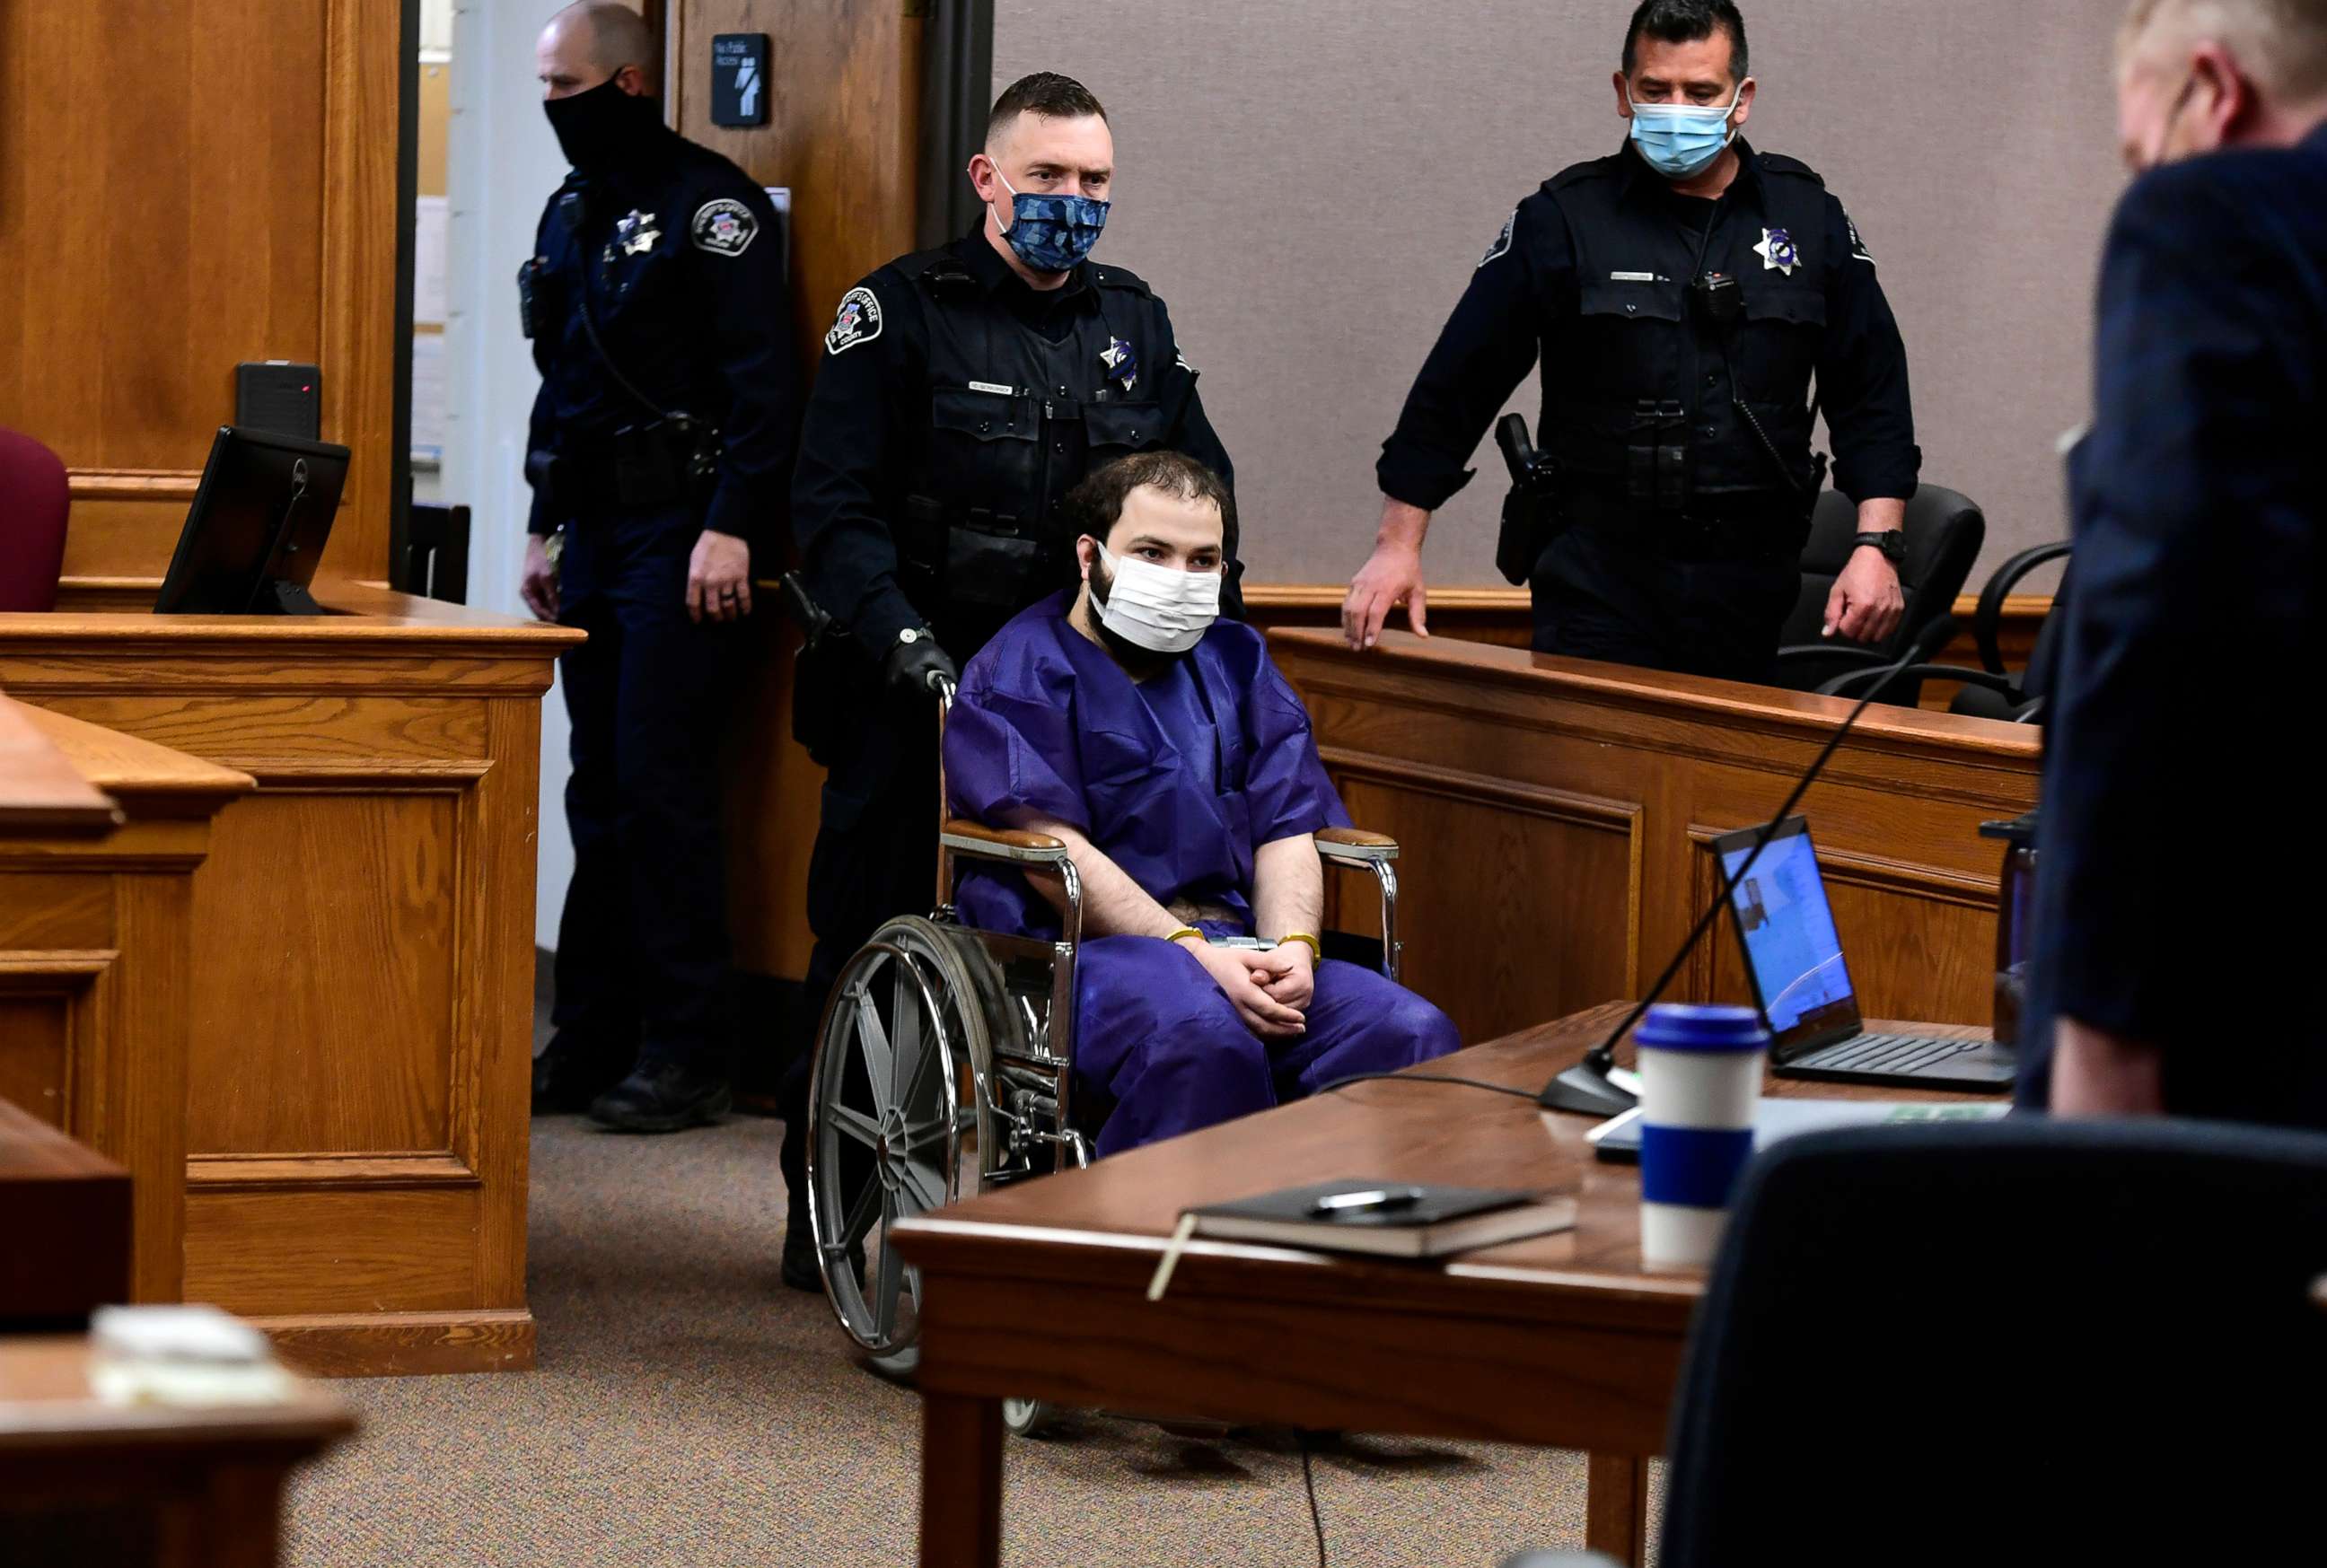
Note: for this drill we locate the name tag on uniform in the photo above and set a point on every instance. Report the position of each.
(1632, 277)
(990, 387)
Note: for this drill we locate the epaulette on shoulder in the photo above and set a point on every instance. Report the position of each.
(1590, 169)
(1779, 163)
(939, 269)
(1122, 278)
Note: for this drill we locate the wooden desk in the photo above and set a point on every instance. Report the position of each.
(85, 1481)
(96, 933)
(360, 983)
(64, 1251)
(1039, 1289)
(1552, 814)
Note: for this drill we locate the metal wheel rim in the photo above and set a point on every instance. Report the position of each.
(899, 1186)
(1025, 1417)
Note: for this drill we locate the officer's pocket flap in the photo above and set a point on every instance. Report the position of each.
(985, 415)
(991, 569)
(1801, 307)
(1644, 302)
(1134, 426)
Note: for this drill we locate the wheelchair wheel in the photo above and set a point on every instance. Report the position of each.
(1029, 1417)
(898, 1106)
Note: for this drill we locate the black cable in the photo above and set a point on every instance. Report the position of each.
(1603, 1055)
(1399, 1076)
(1309, 1480)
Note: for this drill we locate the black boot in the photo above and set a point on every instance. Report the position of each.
(663, 1096)
(575, 1070)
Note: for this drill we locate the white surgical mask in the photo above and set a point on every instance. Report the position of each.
(1160, 609)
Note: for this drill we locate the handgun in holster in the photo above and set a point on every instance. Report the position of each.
(1533, 511)
(816, 697)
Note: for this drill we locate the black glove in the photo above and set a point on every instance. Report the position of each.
(916, 663)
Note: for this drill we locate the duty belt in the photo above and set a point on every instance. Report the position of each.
(1747, 526)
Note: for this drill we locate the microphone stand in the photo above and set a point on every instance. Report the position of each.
(1586, 1088)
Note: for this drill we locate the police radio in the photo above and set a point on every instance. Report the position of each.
(1531, 510)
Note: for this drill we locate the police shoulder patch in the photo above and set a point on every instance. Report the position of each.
(723, 226)
(859, 321)
(1857, 246)
(1503, 240)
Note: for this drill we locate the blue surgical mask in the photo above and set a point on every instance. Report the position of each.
(1051, 233)
(1680, 141)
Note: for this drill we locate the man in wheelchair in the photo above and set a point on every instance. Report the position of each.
(1161, 746)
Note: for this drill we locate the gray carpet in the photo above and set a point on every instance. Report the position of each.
(689, 1411)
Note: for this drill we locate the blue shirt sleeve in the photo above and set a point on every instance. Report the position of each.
(1009, 754)
(1286, 786)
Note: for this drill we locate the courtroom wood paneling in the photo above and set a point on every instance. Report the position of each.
(35, 1045)
(843, 135)
(263, 1257)
(95, 940)
(1511, 904)
(1500, 616)
(361, 1012)
(253, 148)
(362, 1042)
(1554, 874)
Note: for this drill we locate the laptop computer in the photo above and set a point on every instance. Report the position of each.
(1793, 955)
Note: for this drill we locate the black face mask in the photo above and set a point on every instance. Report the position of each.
(597, 126)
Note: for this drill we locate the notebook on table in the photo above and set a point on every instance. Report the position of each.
(1387, 1218)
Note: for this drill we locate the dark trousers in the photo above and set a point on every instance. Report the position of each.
(642, 951)
(876, 847)
(1643, 597)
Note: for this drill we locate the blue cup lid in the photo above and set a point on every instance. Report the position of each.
(1693, 1026)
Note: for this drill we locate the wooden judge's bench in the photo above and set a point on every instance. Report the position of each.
(336, 987)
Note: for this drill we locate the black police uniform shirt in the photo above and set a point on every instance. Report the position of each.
(1592, 275)
(954, 410)
(678, 255)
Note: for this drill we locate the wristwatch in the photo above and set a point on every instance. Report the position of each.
(1891, 542)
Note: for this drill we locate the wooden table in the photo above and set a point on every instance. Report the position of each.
(83, 1480)
(1039, 1289)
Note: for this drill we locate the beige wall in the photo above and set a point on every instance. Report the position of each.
(1309, 183)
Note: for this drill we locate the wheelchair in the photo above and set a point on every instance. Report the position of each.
(943, 1068)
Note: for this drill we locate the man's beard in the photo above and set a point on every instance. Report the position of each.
(1140, 663)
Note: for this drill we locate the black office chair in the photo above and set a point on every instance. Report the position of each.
(1992, 691)
(1945, 530)
(2017, 1341)
(428, 554)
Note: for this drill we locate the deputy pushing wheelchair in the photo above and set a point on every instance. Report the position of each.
(943, 1067)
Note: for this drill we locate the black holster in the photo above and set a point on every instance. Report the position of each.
(1534, 515)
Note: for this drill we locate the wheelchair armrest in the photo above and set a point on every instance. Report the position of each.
(1355, 846)
(982, 843)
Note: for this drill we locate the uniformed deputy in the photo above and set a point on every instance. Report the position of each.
(660, 443)
(1682, 293)
(964, 392)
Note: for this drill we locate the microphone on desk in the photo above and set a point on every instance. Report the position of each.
(1587, 1088)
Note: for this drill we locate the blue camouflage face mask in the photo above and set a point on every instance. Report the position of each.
(1680, 141)
(1053, 233)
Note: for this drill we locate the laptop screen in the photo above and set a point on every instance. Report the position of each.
(1789, 935)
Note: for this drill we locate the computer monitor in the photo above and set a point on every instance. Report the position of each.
(256, 528)
(1793, 953)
